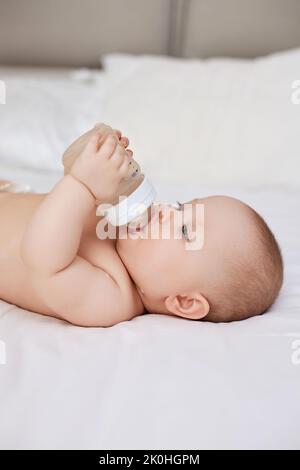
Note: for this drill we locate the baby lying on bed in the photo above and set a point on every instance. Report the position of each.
(52, 262)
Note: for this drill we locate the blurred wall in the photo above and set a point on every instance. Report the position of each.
(77, 32)
(240, 28)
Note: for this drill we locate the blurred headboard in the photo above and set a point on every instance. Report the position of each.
(77, 32)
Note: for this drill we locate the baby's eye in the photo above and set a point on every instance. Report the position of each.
(178, 205)
(184, 231)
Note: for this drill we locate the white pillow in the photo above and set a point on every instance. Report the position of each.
(44, 114)
(220, 121)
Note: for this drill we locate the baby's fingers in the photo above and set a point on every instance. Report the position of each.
(108, 147)
(119, 156)
(118, 133)
(124, 141)
(92, 145)
(123, 169)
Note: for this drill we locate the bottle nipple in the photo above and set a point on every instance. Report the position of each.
(135, 197)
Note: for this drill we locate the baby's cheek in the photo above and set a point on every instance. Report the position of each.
(155, 259)
(165, 254)
(156, 264)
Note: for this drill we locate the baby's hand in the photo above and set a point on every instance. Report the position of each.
(102, 165)
(76, 148)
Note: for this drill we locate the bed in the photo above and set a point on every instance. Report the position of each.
(159, 382)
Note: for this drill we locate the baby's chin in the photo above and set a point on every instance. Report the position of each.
(119, 243)
(127, 248)
(123, 246)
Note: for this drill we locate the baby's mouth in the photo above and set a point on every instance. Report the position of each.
(140, 223)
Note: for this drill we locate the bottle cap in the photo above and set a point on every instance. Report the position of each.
(133, 205)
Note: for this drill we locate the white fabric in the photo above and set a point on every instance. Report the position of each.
(218, 121)
(228, 120)
(160, 382)
(44, 114)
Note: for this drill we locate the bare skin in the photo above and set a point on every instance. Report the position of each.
(51, 261)
(66, 273)
(18, 284)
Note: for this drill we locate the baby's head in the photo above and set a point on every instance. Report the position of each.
(235, 274)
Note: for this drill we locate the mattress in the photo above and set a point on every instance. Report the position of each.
(158, 382)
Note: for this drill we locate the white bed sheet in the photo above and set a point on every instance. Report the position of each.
(158, 382)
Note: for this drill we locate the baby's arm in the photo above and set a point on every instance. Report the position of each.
(72, 287)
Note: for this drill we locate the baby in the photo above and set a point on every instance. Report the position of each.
(52, 262)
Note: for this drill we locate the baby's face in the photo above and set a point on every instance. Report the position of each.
(164, 256)
(185, 249)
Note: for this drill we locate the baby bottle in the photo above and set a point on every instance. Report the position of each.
(135, 197)
(136, 193)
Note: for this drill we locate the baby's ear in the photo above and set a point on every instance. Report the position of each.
(192, 306)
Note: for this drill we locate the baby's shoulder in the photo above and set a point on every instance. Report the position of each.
(103, 254)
